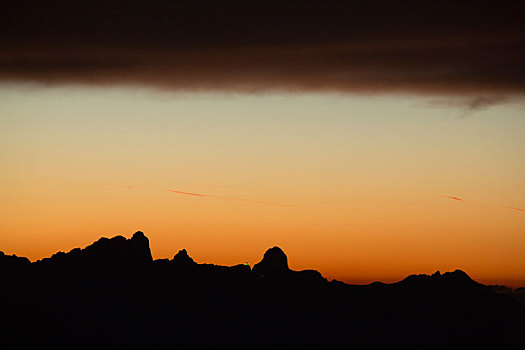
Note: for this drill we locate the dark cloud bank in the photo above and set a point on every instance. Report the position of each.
(473, 48)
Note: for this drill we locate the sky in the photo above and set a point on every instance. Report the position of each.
(352, 186)
(368, 139)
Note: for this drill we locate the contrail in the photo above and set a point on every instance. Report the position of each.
(516, 208)
(189, 193)
(233, 199)
(454, 198)
(463, 200)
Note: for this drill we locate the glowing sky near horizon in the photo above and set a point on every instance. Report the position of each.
(359, 181)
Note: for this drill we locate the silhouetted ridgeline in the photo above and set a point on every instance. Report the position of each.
(113, 295)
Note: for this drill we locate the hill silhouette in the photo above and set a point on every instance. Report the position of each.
(112, 294)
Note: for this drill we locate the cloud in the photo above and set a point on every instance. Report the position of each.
(514, 208)
(468, 104)
(448, 47)
(463, 200)
(233, 198)
(454, 198)
(189, 193)
(484, 102)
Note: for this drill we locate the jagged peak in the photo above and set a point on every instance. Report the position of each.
(456, 277)
(115, 250)
(104, 240)
(182, 257)
(4, 258)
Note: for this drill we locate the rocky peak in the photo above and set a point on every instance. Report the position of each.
(13, 260)
(139, 235)
(274, 261)
(182, 258)
(139, 245)
(108, 251)
(458, 278)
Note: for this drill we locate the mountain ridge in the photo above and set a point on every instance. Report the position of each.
(113, 294)
(135, 250)
(119, 250)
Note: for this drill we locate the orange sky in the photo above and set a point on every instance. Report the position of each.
(354, 187)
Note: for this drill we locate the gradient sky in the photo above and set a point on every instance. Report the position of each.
(350, 185)
(368, 139)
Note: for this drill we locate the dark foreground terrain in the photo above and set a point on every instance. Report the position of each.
(113, 295)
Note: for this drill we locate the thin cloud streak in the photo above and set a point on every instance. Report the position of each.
(233, 198)
(189, 193)
(519, 209)
(463, 200)
(454, 198)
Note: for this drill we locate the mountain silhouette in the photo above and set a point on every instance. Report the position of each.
(112, 294)
(116, 251)
(273, 262)
(183, 259)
